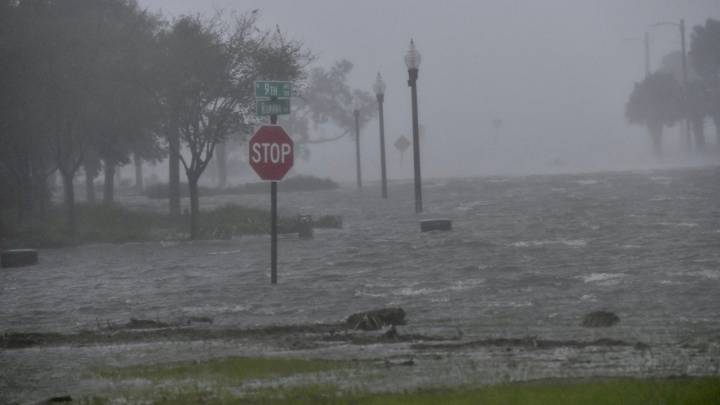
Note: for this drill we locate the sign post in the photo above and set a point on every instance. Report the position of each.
(272, 150)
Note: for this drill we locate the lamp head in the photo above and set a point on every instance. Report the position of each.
(412, 58)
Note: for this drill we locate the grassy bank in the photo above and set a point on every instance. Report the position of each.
(291, 184)
(116, 224)
(219, 382)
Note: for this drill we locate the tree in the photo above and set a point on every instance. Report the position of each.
(699, 101)
(695, 107)
(126, 114)
(705, 59)
(326, 104)
(211, 94)
(655, 102)
(24, 152)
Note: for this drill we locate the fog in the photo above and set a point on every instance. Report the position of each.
(186, 279)
(557, 73)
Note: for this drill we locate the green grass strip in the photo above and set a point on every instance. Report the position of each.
(685, 391)
(234, 369)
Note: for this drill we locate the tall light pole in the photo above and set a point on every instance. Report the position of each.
(681, 27)
(412, 60)
(356, 114)
(379, 88)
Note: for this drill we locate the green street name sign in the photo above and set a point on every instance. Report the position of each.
(272, 89)
(272, 107)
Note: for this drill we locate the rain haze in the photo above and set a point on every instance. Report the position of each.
(187, 215)
(557, 74)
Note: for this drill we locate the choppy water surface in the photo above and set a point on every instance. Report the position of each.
(527, 256)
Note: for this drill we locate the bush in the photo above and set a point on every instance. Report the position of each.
(297, 183)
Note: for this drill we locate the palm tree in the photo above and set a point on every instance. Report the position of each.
(656, 102)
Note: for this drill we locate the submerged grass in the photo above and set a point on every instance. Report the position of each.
(211, 382)
(116, 224)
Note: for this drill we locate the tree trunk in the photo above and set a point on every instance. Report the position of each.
(656, 131)
(222, 165)
(174, 173)
(194, 206)
(109, 186)
(138, 174)
(698, 129)
(89, 184)
(69, 199)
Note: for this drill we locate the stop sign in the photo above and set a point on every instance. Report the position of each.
(271, 152)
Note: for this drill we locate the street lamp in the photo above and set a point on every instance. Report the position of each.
(681, 27)
(412, 60)
(379, 88)
(356, 114)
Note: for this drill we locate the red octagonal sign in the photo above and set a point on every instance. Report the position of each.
(271, 152)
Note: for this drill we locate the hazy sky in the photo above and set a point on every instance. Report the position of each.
(557, 72)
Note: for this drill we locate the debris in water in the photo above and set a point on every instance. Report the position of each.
(329, 221)
(375, 320)
(435, 225)
(18, 258)
(600, 319)
(145, 324)
(59, 399)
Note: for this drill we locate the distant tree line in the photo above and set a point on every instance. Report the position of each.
(91, 85)
(662, 100)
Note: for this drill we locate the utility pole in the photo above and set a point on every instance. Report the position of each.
(647, 54)
(379, 88)
(681, 27)
(685, 84)
(356, 113)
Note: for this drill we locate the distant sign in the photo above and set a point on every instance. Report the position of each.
(272, 107)
(402, 144)
(271, 152)
(272, 89)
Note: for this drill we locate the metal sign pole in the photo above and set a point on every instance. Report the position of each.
(273, 223)
(273, 232)
(271, 150)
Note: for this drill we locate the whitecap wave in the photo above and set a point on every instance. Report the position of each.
(603, 278)
(566, 242)
(679, 224)
(225, 252)
(709, 274)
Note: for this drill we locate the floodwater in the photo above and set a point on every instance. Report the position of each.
(527, 256)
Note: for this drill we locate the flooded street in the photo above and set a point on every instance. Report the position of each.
(527, 257)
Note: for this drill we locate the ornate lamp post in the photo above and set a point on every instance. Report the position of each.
(379, 88)
(412, 60)
(356, 114)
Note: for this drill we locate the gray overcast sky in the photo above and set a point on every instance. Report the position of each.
(557, 72)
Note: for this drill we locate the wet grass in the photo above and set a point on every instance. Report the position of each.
(230, 369)
(686, 391)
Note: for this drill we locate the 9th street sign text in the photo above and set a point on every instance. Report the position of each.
(272, 89)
